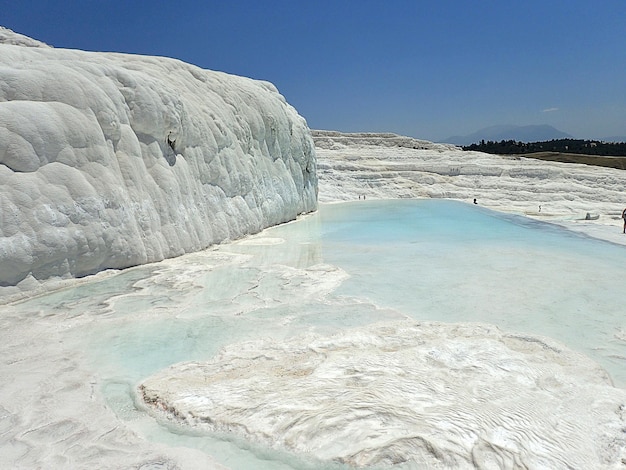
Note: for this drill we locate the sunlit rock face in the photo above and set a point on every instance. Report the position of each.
(431, 394)
(112, 160)
(392, 166)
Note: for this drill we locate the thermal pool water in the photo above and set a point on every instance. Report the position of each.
(357, 292)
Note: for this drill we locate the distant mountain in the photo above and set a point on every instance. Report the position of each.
(534, 133)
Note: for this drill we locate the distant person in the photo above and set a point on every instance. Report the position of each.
(475, 202)
(624, 217)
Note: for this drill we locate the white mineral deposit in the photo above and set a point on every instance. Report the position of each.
(144, 324)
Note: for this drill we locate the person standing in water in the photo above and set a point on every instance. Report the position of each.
(624, 217)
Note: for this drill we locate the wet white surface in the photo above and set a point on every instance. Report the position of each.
(74, 358)
(433, 394)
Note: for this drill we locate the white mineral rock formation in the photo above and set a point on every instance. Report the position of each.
(382, 166)
(431, 395)
(436, 395)
(112, 160)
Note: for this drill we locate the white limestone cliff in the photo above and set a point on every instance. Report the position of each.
(112, 160)
(383, 166)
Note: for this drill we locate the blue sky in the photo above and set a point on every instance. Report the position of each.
(429, 69)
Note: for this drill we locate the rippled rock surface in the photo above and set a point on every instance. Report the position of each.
(433, 394)
(114, 160)
(387, 166)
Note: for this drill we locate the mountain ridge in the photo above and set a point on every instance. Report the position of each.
(529, 133)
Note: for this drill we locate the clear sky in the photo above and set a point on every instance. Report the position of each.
(424, 68)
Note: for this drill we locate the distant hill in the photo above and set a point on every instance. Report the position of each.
(589, 152)
(533, 133)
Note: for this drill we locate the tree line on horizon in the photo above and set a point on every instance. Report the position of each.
(577, 146)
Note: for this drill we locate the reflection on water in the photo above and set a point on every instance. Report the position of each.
(347, 265)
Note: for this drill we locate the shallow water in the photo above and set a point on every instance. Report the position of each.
(448, 261)
(346, 266)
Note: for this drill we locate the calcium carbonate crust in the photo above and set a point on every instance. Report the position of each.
(111, 160)
(428, 395)
(383, 166)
